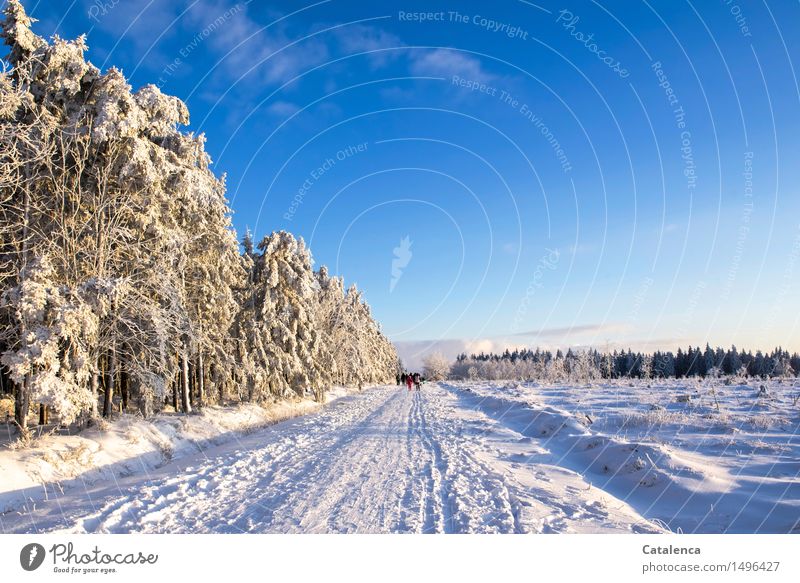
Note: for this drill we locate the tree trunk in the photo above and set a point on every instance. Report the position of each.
(43, 414)
(146, 405)
(123, 386)
(93, 382)
(187, 407)
(26, 403)
(214, 379)
(192, 382)
(200, 380)
(17, 403)
(21, 404)
(23, 391)
(108, 401)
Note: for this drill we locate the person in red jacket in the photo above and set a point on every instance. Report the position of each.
(409, 381)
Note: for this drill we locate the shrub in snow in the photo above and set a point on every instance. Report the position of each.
(436, 367)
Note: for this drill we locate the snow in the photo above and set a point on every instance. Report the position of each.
(478, 457)
(130, 446)
(725, 460)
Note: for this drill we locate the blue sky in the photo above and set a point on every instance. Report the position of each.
(551, 192)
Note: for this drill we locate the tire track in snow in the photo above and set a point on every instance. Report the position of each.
(384, 460)
(438, 515)
(239, 491)
(477, 497)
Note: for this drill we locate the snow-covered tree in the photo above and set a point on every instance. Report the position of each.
(331, 319)
(583, 367)
(281, 334)
(647, 367)
(436, 367)
(50, 360)
(120, 272)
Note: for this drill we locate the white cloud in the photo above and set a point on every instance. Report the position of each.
(359, 38)
(566, 332)
(275, 50)
(412, 352)
(582, 337)
(147, 25)
(243, 44)
(449, 62)
(283, 108)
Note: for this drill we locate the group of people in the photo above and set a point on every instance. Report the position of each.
(410, 379)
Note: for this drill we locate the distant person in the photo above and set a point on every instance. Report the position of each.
(417, 380)
(397, 379)
(409, 381)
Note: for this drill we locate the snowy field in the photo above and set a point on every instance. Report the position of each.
(464, 457)
(687, 456)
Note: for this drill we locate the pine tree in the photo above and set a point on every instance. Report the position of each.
(285, 336)
(120, 272)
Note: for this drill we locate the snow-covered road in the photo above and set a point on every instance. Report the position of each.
(384, 460)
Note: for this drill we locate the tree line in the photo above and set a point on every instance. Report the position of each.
(123, 284)
(523, 364)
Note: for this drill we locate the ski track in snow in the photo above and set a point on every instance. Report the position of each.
(385, 460)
